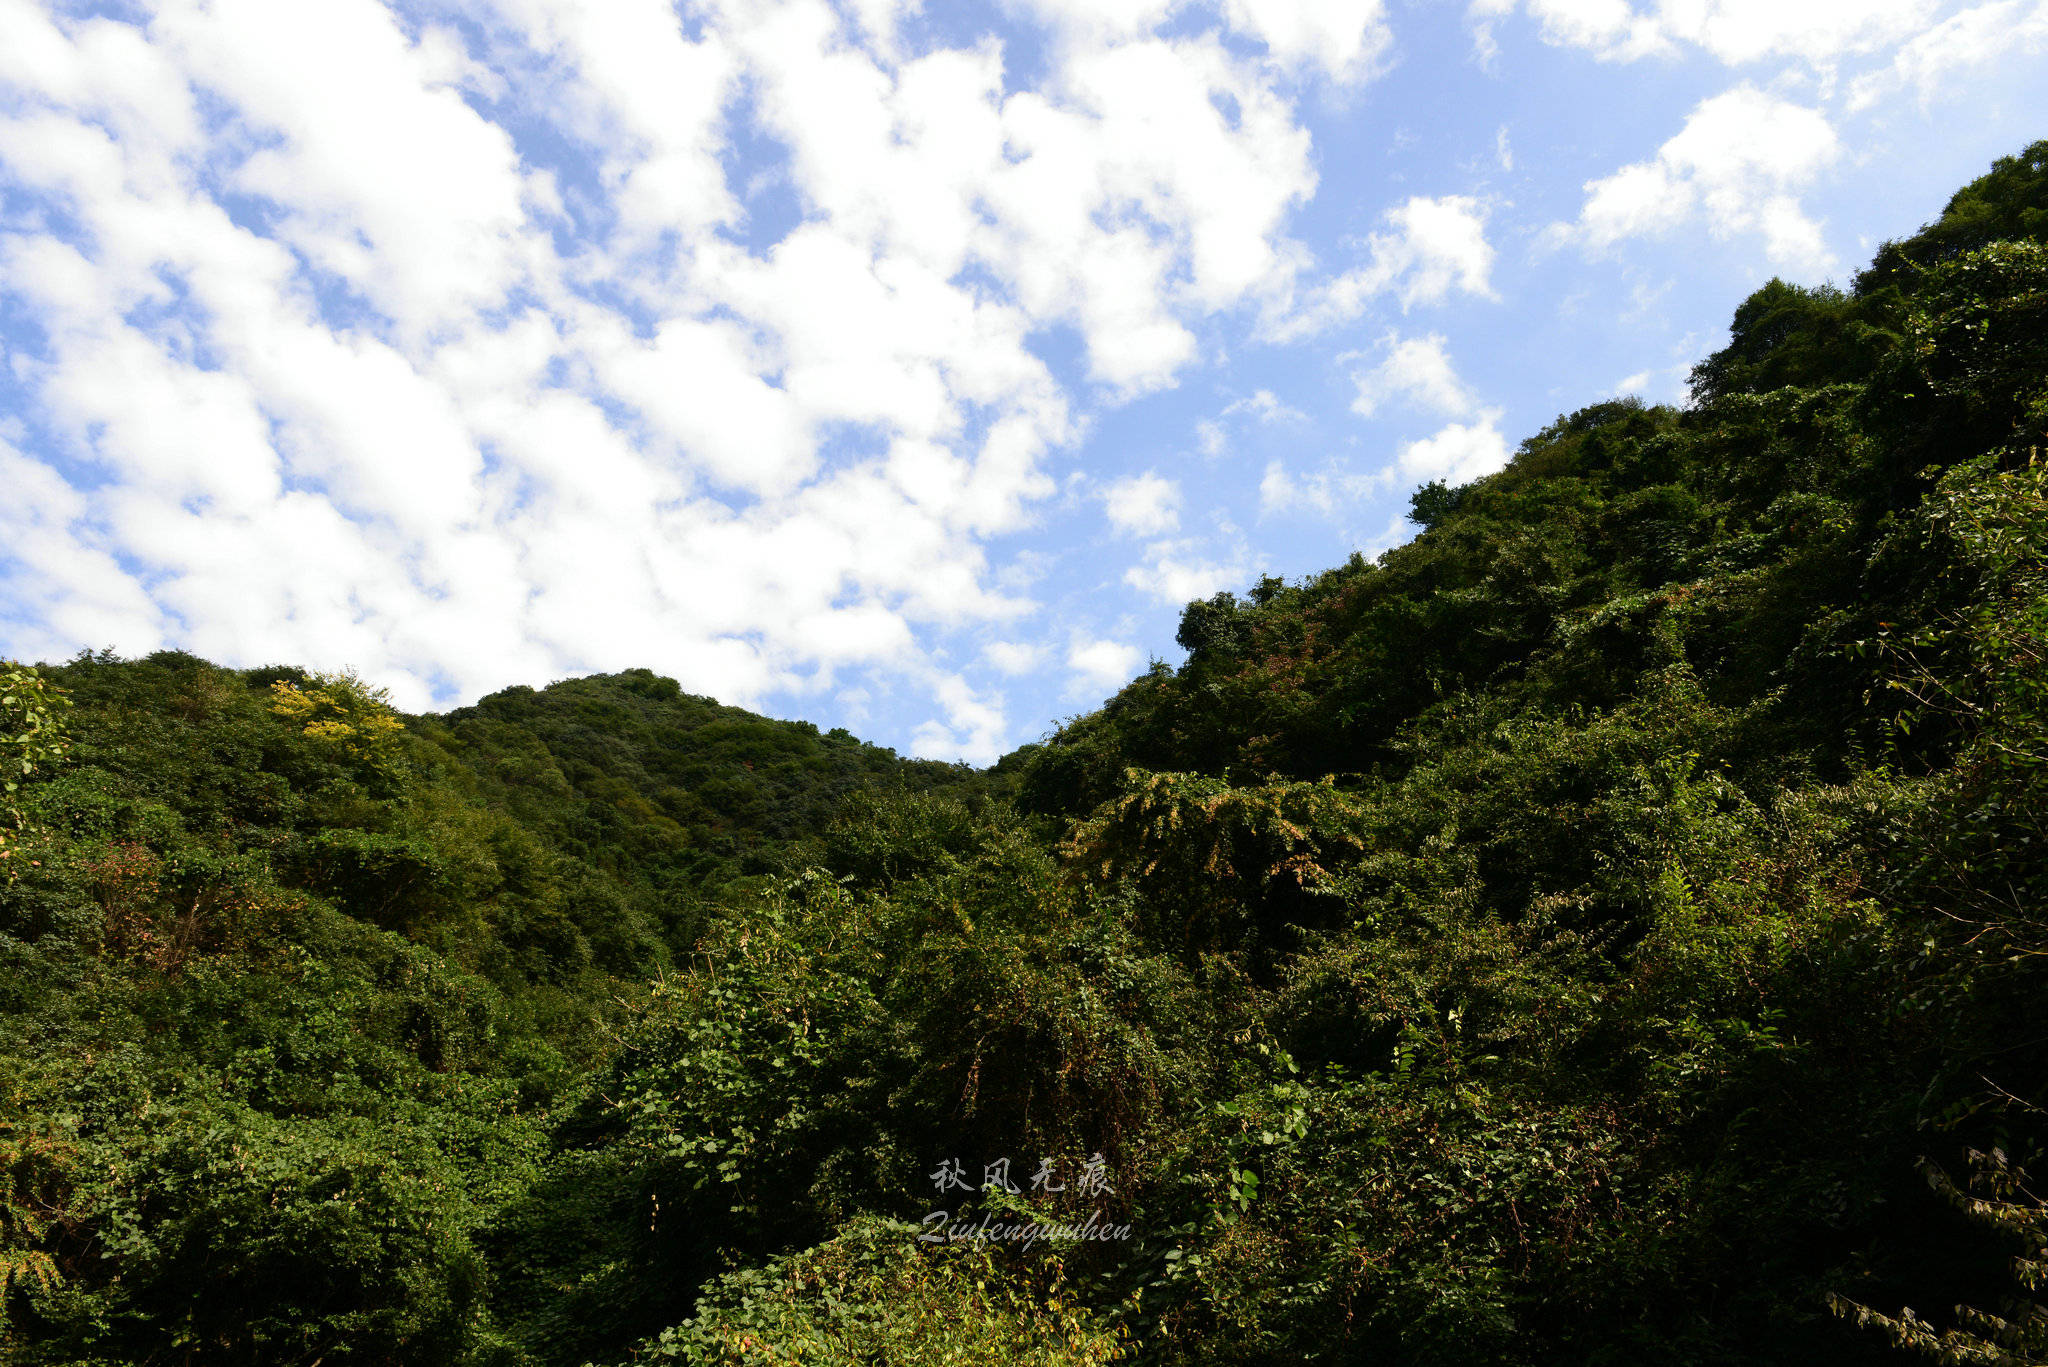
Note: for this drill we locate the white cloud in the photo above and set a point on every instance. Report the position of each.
(1417, 371)
(379, 171)
(1739, 162)
(1733, 31)
(1143, 505)
(1932, 62)
(1212, 435)
(647, 99)
(1101, 666)
(1398, 531)
(358, 377)
(1345, 39)
(1659, 384)
(1610, 27)
(1263, 406)
(1819, 31)
(1457, 454)
(58, 574)
(1175, 572)
(1281, 491)
(1102, 21)
(1014, 657)
(1348, 39)
(974, 729)
(1432, 248)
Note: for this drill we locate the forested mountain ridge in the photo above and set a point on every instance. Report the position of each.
(271, 947)
(1605, 928)
(1763, 532)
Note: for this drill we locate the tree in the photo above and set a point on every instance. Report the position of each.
(343, 713)
(31, 738)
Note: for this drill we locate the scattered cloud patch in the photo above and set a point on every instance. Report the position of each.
(1933, 63)
(1014, 657)
(974, 730)
(1731, 31)
(1660, 384)
(1262, 406)
(1177, 572)
(1738, 163)
(1212, 435)
(1431, 249)
(1399, 531)
(1456, 454)
(1416, 371)
(1099, 667)
(1347, 40)
(1143, 505)
(1324, 492)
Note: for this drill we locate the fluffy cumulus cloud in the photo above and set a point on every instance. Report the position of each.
(1427, 250)
(1415, 375)
(1282, 490)
(1346, 38)
(1739, 163)
(1014, 657)
(1456, 454)
(1143, 505)
(1414, 370)
(1174, 572)
(1098, 667)
(974, 728)
(458, 342)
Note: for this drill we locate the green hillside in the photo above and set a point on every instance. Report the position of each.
(1606, 929)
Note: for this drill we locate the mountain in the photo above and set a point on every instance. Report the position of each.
(1603, 929)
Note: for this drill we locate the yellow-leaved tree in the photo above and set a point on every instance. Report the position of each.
(343, 713)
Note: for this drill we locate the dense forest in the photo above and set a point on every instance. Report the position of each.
(1606, 929)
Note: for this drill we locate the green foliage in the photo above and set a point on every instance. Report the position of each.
(873, 1298)
(1589, 934)
(1640, 854)
(1219, 865)
(292, 1003)
(1787, 335)
(2008, 205)
(1432, 503)
(31, 737)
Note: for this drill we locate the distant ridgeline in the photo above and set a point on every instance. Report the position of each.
(1607, 929)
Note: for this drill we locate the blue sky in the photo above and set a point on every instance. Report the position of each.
(895, 367)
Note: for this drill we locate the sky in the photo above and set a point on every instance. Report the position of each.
(898, 367)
